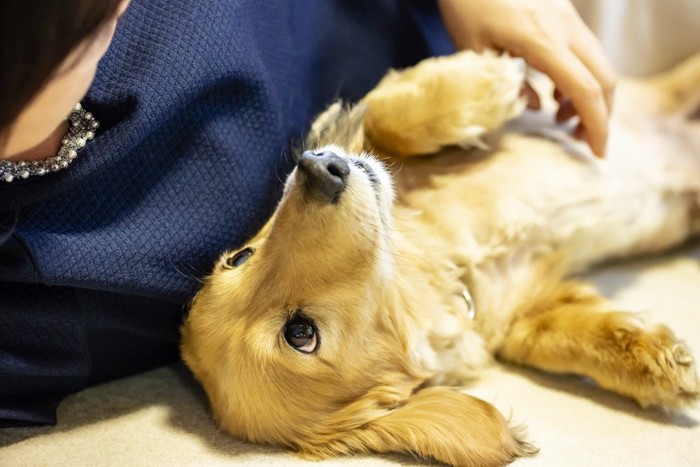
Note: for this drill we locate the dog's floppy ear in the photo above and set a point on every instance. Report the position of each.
(436, 423)
(339, 125)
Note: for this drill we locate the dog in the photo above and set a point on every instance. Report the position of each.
(434, 226)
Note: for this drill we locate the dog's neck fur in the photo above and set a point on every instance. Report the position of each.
(446, 342)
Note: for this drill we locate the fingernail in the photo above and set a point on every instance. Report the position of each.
(599, 151)
(602, 152)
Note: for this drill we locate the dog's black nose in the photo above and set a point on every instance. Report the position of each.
(324, 173)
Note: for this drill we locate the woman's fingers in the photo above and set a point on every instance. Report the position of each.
(552, 37)
(578, 83)
(586, 46)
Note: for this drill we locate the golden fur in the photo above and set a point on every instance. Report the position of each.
(382, 273)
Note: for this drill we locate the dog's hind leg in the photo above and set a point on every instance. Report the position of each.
(443, 101)
(573, 330)
(679, 88)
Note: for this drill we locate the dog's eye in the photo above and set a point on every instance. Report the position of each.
(239, 258)
(301, 334)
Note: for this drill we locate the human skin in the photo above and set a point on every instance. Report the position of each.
(38, 130)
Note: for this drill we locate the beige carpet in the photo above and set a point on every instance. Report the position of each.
(161, 418)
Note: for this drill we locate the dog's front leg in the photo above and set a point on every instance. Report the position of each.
(573, 330)
(443, 101)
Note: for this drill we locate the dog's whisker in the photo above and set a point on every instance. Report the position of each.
(388, 246)
(298, 154)
(188, 276)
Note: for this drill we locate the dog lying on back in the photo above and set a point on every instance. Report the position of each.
(384, 280)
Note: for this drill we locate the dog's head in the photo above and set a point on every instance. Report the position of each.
(302, 337)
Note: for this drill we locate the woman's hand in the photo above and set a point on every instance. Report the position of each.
(551, 37)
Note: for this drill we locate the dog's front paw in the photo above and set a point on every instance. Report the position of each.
(443, 101)
(571, 332)
(659, 369)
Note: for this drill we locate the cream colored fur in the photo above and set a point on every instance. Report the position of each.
(382, 272)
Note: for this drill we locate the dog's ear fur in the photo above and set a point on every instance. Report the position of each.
(340, 125)
(435, 423)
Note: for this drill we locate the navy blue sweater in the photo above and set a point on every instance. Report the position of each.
(199, 102)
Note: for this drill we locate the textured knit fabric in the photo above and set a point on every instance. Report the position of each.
(199, 102)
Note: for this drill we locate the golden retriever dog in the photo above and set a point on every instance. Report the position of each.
(428, 229)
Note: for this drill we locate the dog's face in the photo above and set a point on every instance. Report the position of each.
(289, 329)
(303, 338)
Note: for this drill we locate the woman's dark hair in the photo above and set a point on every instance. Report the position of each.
(36, 36)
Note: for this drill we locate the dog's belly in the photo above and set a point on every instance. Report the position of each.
(532, 193)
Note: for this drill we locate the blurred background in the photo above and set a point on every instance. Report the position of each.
(642, 37)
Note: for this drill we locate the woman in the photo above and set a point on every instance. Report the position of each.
(197, 102)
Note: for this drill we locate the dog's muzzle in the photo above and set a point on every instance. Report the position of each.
(325, 174)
